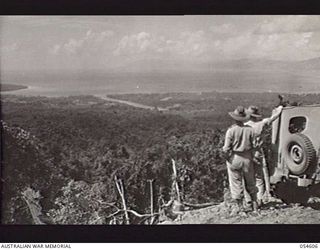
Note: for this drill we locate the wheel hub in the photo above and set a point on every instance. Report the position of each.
(296, 154)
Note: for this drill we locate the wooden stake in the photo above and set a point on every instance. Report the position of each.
(151, 201)
(124, 203)
(175, 176)
(265, 173)
(120, 188)
(151, 196)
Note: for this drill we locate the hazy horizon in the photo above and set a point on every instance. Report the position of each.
(163, 82)
(162, 53)
(108, 42)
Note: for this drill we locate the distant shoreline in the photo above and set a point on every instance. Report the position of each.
(12, 87)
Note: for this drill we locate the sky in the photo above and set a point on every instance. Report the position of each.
(116, 42)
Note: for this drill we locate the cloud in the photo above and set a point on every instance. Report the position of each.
(314, 42)
(288, 24)
(55, 50)
(278, 46)
(87, 44)
(187, 43)
(225, 30)
(136, 43)
(274, 37)
(288, 46)
(73, 46)
(9, 48)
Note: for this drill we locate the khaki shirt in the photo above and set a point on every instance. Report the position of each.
(259, 126)
(239, 139)
(258, 129)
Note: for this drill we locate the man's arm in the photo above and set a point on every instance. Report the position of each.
(274, 116)
(227, 148)
(227, 142)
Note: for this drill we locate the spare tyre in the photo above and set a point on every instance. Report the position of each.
(298, 153)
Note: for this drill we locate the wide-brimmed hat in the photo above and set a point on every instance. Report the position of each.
(239, 114)
(254, 111)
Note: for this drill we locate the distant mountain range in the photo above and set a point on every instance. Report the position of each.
(310, 64)
(143, 65)
(238, 64)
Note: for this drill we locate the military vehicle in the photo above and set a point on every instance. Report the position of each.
(294, 165)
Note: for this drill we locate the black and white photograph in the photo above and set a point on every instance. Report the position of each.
(160, 120)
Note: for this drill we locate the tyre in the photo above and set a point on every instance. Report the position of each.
(299, 154)
(289, 192)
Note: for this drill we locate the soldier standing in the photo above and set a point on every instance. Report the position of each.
(238, 146)
(259, 125)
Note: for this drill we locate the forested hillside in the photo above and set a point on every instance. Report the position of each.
(74, 151)
(70, 149)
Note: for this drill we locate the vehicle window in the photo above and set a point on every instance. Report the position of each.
(297, 124)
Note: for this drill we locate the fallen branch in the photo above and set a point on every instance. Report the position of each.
(109, 204)
(154, 221)
(113, 214)
(32, 199)
(135, 213)
(203, 205)
(141, 215)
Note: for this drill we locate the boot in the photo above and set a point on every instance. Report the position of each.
(242, 209)
(237, 207)
(248, 207)
(259, 203)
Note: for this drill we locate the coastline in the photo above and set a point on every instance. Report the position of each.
(12, 87)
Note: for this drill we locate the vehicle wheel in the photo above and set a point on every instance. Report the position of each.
(289, 192)
(298, 153)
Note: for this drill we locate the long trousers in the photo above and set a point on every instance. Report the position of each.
(260, 183)
(259, 176)
(241, 176)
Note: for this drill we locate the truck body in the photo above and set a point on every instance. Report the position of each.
(295, 149)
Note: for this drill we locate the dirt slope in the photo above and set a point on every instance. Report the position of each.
(274, 212)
